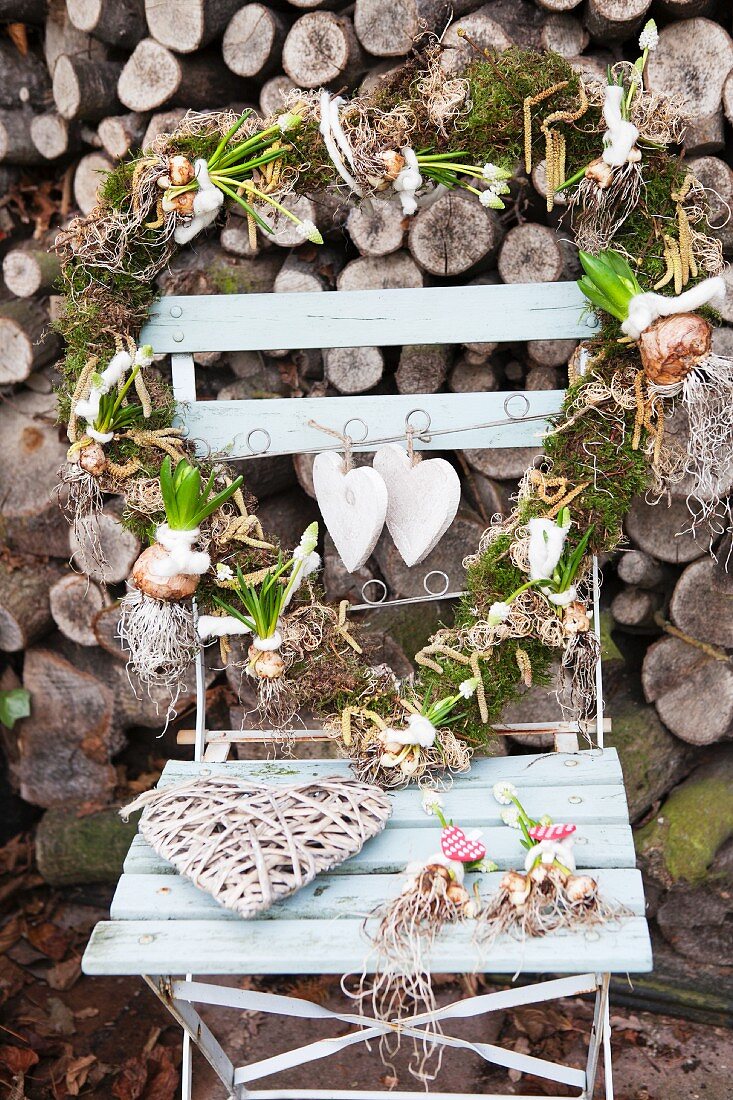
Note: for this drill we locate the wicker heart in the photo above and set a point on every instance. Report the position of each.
(456, 845)
(250, 844)
(353, 506)
(422, 500)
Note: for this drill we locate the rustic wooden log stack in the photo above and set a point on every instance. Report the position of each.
(82, 83)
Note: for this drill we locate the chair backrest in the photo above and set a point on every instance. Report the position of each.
(182, 326)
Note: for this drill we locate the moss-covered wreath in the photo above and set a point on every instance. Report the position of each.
(640, 217)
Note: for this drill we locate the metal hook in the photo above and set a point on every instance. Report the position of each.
(261, 450)
(436, 573)
(374, 603)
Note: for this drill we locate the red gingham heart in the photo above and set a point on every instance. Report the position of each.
(456, 845)
(552, 832)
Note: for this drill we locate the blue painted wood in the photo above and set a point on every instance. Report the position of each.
(328, 947)
(459, 421)
(435, 315)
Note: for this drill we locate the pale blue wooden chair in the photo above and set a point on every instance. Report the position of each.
(165, 929)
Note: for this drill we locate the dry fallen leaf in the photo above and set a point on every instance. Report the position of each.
(63, 975)
(162, 1075)
(77, 1072)
(49, 939)
(18, 35)
(17, 1059)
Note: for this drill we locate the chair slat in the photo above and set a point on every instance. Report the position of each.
(324, 947)
(347, 319)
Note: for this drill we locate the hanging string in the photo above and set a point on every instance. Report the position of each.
(346, 442)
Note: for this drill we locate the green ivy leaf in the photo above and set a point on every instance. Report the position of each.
(14, 704)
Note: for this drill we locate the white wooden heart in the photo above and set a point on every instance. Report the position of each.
(353, 506)
(422, 500)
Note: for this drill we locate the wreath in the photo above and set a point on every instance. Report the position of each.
(610, 152)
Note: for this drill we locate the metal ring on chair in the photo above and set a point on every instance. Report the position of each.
(374, 580)
(356, 420)
(261, 450)
(436, 573)
(516, 397)
(418, 431)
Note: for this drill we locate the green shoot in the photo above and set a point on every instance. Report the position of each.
(186, 503)
(608, 282)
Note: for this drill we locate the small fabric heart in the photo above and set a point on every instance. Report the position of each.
(551, 832)
(459, 847)
(422, 500)
(353, 504)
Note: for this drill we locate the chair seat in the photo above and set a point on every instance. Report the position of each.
(162, 924)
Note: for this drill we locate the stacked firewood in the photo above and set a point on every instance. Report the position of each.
(84, 82)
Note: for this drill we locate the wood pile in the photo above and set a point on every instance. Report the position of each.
(84, 82)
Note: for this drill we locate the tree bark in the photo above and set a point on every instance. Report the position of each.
(30, 270)
(530, 254)
(25, 340)
(90, 172)
(564, 34)
(16, 145)
(423, 368)
(704, 136)
(153, 76)
(85, 89)
(53, 136)
(453, 234)
(24, 80)
(75, 602)
(447, 557)
(74, 849)
(615, 20)
(62, 37)
(322, 48)
(118, 22)
(502, 463)
(23, 11)
(693, 693)
(253, 41)
(188, 25)
(121, 133)
(25, 614)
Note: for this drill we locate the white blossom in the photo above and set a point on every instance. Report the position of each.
(503, 792)
(144, 356)
(649, 37)
(467, 688)
(224, 572)
(546, 542)
(498, 613)
(492, 173)
(490, 199)
(309, 232)
(510, 817)
(431, 801)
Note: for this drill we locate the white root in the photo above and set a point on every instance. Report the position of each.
(160, 638)
(81, 500)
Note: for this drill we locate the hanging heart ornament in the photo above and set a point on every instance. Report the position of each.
(353, 504)
(422, 500)
(457, 846)
(251, 844)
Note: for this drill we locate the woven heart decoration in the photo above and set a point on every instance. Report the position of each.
(250, 844)
(457, 846)
(551, 832)
(353, 504)
(422, 500)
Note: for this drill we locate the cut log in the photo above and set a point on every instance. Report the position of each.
(53, 136)
(153, 76)
(269, 475)
(686, 9)
(481, 29)
(479, 352)
(423, 368)
(388, 28)
(376, 226)
(119, 547)
(25, 340)
(118, 22)
(704, 136)
(728, 97)
(23, 11)
(287, 515)
(62, 37)
(66, 745)
(634, 609)
(75, 602)
(698, 611)
(236, 240)
(285, 232)
(692, 61)
(298, 275)
(16, 144)
(447, 557)
(693, 693)
(530, 254)
(253, 40)
(24, 80)
(353, 370)
(121, 133)
(502, 463)
(637, 568)
(74, 849)
(31, 452)
(163, 122)
(717, 176)
(25, 613)
(380, 273)
(615, 20)
(454, 234)
(564, 34)
(559, 5)
(90, 172)
(188, 25)
(551, 353)
(209, 270)
(30, 270)
(273, 94)
(696, 920)
(656, 529)
(540, 377)
(322, 48)
(469, 377)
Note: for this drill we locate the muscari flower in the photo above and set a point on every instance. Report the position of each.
(649, 37)
(504, 791)
(431, 801)
(498, 613)
(467, 688)
(510, 817)
(224, 572)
